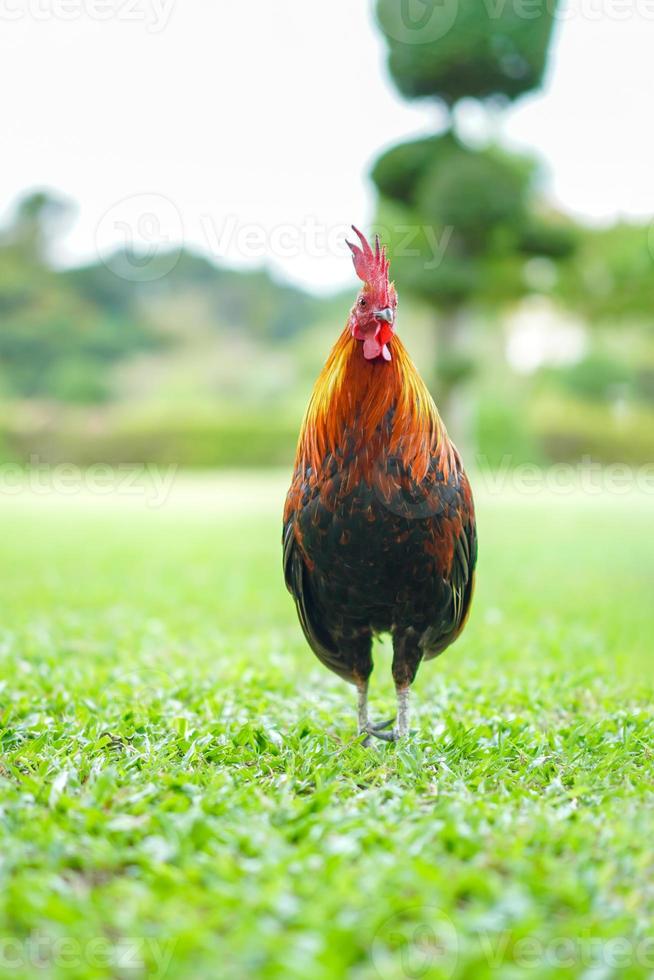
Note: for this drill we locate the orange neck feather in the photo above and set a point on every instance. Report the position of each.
(352, 396)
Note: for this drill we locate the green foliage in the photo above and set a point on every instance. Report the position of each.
(596, 377)
(54, 346)
(196, 440)
(54, 342)
(503, 433)
(453, 49)
(449, 184)
(211, 367)
(569, 429)
(550, 236)
(426, 262)
(39, 217)
(184, 795)
(251, 301)
(398, 172)
(610, 280)
(476, 194)
(65, 332)
(454, 368)
(477, 204)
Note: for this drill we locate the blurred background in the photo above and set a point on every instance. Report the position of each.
(177, 182)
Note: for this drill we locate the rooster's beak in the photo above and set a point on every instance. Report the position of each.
(386, 314)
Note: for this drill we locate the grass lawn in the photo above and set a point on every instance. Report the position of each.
(182, 793)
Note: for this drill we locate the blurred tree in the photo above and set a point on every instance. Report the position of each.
(54, 342)
(464, 221)
(611, 278)
(596, 378)
(453, 49)
(39, 218)
(610, 284)
(65, 332)
(251, 302)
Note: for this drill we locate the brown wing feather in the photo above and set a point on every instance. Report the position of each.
(298, 583)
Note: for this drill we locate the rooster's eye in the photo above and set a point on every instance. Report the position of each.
(363, 303)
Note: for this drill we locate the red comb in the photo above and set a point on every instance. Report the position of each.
(369, 266)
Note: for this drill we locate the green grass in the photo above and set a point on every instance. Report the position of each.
(182, 793)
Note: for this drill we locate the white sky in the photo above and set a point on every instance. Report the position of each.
(235, 125)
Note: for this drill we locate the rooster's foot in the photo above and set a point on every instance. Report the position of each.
(393, 736)
(378, 730)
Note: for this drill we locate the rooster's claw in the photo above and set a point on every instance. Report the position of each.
(377, 731)
(381, 725)
(394, 736)
(391, 736)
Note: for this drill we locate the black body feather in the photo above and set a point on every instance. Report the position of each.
(388, 554)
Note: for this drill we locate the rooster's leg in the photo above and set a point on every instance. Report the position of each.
(407, 655)
(402, 711)
(362, 706)
(365, 725)
(402, 727)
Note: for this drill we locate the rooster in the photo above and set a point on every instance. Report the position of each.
(379, 526)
